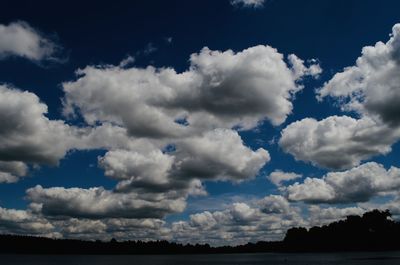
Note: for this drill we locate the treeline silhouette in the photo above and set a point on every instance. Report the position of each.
(373, 231)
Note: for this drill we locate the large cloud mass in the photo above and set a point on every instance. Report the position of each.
(220, 90)
(180, 126)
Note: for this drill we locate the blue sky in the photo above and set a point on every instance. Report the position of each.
(354, 141)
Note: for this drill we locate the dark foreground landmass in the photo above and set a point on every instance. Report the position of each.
(374, 231)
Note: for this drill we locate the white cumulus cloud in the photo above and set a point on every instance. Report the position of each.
(20, 39)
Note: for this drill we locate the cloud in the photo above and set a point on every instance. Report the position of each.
(220, 90)
(392, 204)
(322, 216)
(278, 176)
(358, 184)
(26, 133)
(10, 172)
(300, 70)
(192, 112)
(20, 39)
(28, 137)
(248, 3)
(274, 204)
(24, 222)
(127, 61)
(30, 222)
(145, 173)
(243, 222)
(150, 48)
(263, 219)
(164, 133)
(220, 155)
(98, 203)
(371, 87)
(216, 155)
(152, 167)
(337, 142)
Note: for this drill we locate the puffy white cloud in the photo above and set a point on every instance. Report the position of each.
(243, 213)
(26, 134)
(95, 203)
(215, 155)
(220, 155)
(219, 90)
(300, 70)
(203, 220)
(358, 184)
(337, 142)
(248, 3)
(133, 114)
(20, 39)
(372, 86)
(193, 111)
(278, 176)
(312, 190)
(274, 204)
(152, 167)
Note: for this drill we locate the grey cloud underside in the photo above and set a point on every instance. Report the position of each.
(97, 203)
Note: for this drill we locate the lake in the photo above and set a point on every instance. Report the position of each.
(384, 258)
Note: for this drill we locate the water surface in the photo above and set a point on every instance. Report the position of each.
(384, 258)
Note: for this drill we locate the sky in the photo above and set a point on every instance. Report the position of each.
(218, 122)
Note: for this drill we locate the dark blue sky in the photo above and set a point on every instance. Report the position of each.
(101, 33)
